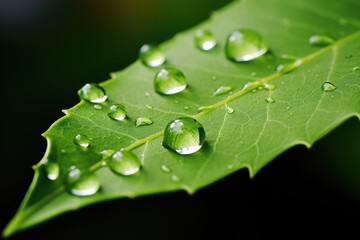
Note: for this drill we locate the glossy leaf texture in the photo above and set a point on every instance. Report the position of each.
(265, 110)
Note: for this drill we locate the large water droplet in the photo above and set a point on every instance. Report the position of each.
(169, 81)
(320, 40)
(143, 121)
(204, 40)
(82, 140)
(124, 162)
(117, 112)
(222, 90)
(93, 93)
(184, 135)
(151, 55)
(82, 182)
(328, 87)
(245, 45)
(52, 169)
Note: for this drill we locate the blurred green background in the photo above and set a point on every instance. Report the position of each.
(50, 48)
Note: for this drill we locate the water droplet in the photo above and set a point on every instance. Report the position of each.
(328, 87)
(169, 81)
(147, 94)
(250, 85)
(269, 86)
(204, 40)
(82, 140)
(356, 70)
(148, 106)
(107, 153)
(166, 169)
(97, 106)
(285, 68)
(241, 142)
(176, 101)
(124, 162)
(82, 182)
(260, 88)
(117, 112)
(269, 100)
(204, 108)
(52, 169)
(184, 135)
(229, 109)
(143, 121)
(230, 166)
(320, 40)
(93, 93)
(175, 178)
(214, 77)
(222, 90)
(253, 74)
(287, 108)
(151, 55)
(186, 107)
(245, 45)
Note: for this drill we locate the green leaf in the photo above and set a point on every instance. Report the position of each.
(245, 128)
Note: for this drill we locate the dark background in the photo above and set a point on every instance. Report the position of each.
(49, 49)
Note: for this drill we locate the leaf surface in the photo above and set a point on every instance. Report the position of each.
(250, 137)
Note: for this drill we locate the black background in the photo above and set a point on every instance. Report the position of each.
(49, 49)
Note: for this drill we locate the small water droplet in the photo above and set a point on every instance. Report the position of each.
(176, 101)
(287, 108)
(52, 169)
(269, 86)
(260, 88)
(250, 85)
(245, 45)
(186, 107)
(356, 70)
(222, 90)
(165, 168)
(204, 108)
(151, 55)
(229, 109)
(269, 100)
(286, 68)
(82, 140)
(169, 81)
(320, 40)
(241, 142)
(143, 121)
(204, 40)
(93, 93)
(253, 74)
(328, 87)
(82, 182)
(97, 106)
(175, 178)
(107, 153)
(214, 77)
(148, 106)
(117, 112)
(184, 135)
(230, 166)
(124, 162)
(147, 94)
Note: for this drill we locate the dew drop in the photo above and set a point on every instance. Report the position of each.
(287, 108)
(253, 74)
(147, 94)
(82, 182)
(245, 45)
(97, 106)
(151, 55)
(269, 86)
(320, 40)
(143, 121)
(175, 178)
(205, 108)
(328, 87)
(107, 153)
(117, 112)
(186, 107)
(222, 90)
(148, 106)
(93, 93)
(356, 70)
(286, 68)
(229, 109)
(184, 135)
(52, 169)
(269, 100)
(165, 169)
(169, 81)
(82, 140)
(230, 166)
(204, 40)
(124, 162)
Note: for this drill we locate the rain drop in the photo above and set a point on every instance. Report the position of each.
(151, 55)
(52, 169)
(117, 112)
(222, 90)
(286, 68)
(356, 70)
(169, 81)
(143, 121)
(269, 86)
(229, 109)
(320, 40)
(124, 162)
(82, 140)
(245, 45)
(93, 93)
(165, 169)
(82, 182)
(269, 100)
(175, 178)
(204, 40)
(328, 87)
(184, 135)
